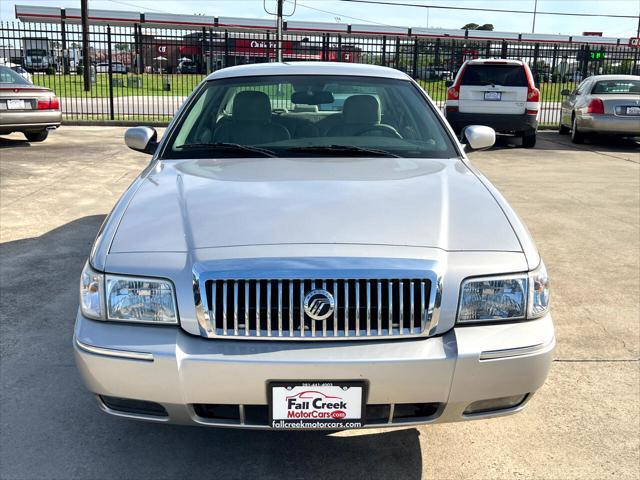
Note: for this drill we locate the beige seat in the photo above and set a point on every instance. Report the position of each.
(361, 116)
(251, 122)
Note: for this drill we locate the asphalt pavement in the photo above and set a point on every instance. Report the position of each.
(582, 205)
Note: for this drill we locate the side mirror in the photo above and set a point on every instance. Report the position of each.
(478, 137)
(142, 139)
(448, 83)
(565, 93)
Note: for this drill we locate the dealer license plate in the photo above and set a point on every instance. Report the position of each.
(493, 96)
(15, 105)
(633, 110)
(316, 405)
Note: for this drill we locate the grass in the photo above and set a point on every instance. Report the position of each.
(549, 92)
(182, 85)
(151, 85)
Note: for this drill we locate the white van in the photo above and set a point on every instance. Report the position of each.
(498, 93)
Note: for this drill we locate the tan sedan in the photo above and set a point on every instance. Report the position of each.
(602, 104)
(26, 108)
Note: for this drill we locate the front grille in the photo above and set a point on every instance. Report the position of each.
(275, 308)
(374, 414)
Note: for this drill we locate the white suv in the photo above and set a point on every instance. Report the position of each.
(498, 93)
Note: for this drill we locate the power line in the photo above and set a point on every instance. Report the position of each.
(142, 9)
(498, 10)
(335, 14)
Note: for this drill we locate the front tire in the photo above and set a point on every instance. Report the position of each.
(39, 136)
(576, 135)
(529, 141)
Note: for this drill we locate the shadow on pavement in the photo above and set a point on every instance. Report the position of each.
(550, 140)
(13, 142)
(52, 428)
(600, 143)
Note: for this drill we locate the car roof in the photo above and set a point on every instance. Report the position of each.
(308, 68)
(597, 78)
(493, 61)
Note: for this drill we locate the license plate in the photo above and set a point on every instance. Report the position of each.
(316, 405)
(15, 105)
(493, 96)
(633, 110)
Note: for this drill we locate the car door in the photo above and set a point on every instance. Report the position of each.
(581, 100)
(569, 103)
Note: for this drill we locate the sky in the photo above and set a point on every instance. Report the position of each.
(344, 12)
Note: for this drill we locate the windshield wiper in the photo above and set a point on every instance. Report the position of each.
(352, 149)
(226, 146)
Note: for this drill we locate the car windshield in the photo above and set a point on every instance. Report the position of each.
(9, 76)
(304, 116)
(486, 74)
(617, 87)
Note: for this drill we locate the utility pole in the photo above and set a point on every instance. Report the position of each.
(86, 71)
(535, 10)
(279, 32)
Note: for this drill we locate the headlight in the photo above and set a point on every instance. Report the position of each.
(505, 298)
(145, 300)
(493, 299)
(91, 298)
(538, 292)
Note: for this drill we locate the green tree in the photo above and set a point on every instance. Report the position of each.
(475, 26)
(122, 47)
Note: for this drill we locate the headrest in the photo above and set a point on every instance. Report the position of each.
(361, 109)
(252, 107)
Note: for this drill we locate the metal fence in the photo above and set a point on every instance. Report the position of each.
(144, 74)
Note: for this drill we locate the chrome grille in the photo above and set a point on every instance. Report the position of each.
(274, 309)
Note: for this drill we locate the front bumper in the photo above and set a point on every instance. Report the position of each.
(176, 370)
(502, 123)
(610, 124)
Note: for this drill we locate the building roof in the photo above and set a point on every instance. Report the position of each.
(48, 14)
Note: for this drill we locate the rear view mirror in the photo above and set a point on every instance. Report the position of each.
(448, 83)
(479, 137)
(565, 92)
(142, 139)
(312, 97)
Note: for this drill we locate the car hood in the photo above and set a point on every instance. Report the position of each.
(182, 205)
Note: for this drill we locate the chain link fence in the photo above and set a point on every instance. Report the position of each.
(144, 74)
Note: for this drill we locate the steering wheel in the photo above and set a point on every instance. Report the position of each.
(385, 130)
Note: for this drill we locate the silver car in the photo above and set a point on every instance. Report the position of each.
(311, 269)
(602, 104)
(27, 108)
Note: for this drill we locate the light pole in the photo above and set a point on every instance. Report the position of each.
(279, 32)
(86, 72)
(535, 10)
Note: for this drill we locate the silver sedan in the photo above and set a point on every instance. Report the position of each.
(27, 108)
(606, 104)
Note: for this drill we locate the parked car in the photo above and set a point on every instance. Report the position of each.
(498, 93)
(434, 73)
(18, 69)
(116, 67)
(187, 66)
(27, 108)
(343, 269)
(602, 104)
